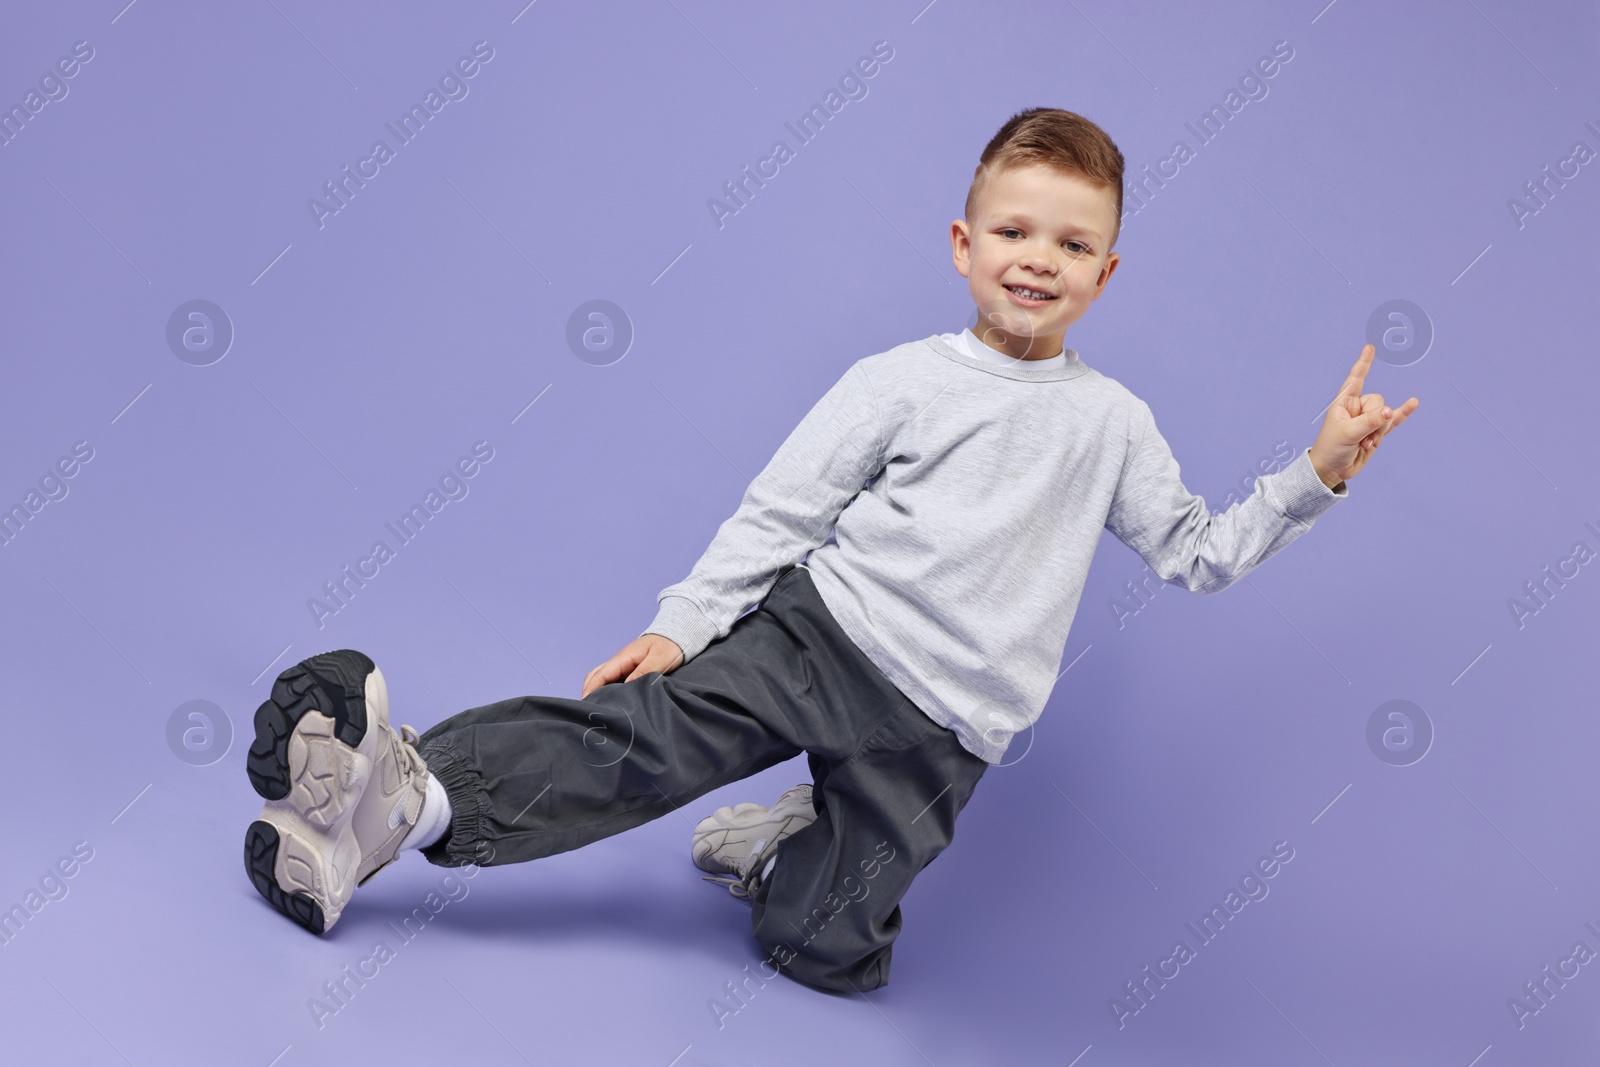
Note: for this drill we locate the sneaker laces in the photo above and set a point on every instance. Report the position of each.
(743, 886)
(410, 765)
(407, 757)
(406, 752)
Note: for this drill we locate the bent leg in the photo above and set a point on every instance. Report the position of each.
(830, 910)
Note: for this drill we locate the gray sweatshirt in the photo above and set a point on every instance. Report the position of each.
(951, 506)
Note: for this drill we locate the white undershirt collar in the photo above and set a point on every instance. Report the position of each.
(966, 341)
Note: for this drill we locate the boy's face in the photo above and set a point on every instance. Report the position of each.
(1034, 227)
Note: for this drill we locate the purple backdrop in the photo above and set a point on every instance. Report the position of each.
(1402, 704)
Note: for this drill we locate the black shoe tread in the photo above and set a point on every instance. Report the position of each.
(260, 860)
(333, 683)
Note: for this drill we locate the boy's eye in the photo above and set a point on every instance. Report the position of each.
(1077, 248)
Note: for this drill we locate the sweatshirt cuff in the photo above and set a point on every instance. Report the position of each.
(682, 622)
(1302, 492)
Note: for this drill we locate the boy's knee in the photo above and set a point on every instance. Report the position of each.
(834, 944)
(860, 975)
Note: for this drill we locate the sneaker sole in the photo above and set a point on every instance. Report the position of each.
(261, 849)
(334, 683)
(302, 760)
(290, 865)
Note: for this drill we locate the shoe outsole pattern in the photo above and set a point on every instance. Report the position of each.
(260, 863)
(333, 683)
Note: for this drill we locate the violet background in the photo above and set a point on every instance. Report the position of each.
(433, 309)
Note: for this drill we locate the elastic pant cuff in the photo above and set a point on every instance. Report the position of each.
(463, 844)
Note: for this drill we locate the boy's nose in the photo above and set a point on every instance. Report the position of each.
(1038, 262)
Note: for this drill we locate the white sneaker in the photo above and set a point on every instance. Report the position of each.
(734, 844)
(343, 789)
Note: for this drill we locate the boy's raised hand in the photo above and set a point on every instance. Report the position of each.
(643, 655)
(1355, 426)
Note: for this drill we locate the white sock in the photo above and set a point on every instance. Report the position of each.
(433, 820)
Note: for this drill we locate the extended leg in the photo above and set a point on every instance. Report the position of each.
(534, 776)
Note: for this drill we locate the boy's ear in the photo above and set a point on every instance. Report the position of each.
(1105, 274)
(960, 246)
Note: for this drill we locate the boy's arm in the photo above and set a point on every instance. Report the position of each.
(787, 510)
(1153, 513)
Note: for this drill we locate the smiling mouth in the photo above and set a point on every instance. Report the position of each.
(1029, 294)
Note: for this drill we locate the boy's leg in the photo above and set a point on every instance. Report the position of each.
(830, 910)
(537, 775)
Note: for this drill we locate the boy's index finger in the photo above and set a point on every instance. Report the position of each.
(1358, 373)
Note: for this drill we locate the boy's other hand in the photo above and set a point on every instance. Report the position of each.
(1354, 426)
(643, 655)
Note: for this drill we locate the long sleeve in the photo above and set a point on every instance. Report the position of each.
(787, 510)
(1178, 536)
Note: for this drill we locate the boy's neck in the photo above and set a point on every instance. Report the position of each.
(1024, 348)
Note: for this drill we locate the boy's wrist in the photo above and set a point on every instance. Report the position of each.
(1301, 491)
(1327, 478)
(681, 622)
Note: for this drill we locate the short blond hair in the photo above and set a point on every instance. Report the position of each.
(1061, 139)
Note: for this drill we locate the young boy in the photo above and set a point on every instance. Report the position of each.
(947, 496)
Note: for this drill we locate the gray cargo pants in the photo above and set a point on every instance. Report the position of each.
(533, 776)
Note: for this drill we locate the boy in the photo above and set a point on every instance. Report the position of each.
(947, 494)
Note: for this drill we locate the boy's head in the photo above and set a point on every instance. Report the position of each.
(1043, 213)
